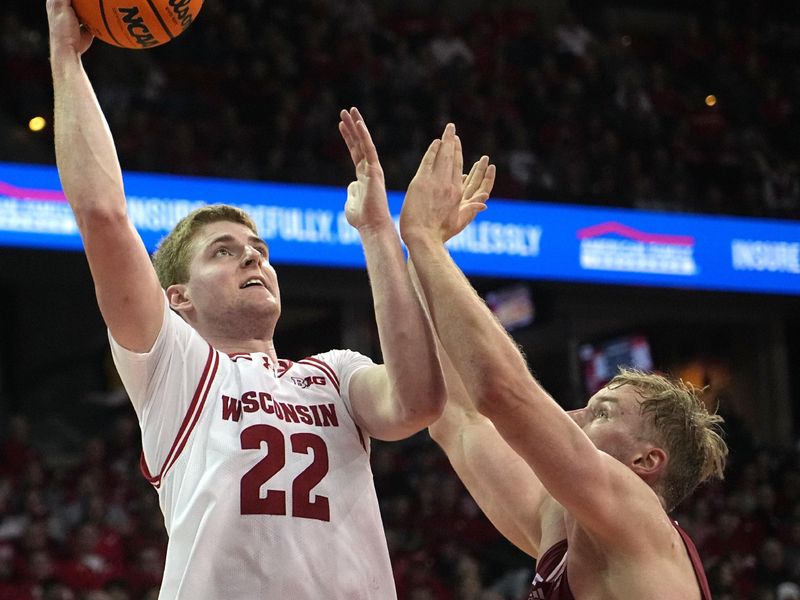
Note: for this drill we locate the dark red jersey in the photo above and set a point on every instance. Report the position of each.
(551, 583)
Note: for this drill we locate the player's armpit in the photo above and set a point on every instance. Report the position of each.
(380, 409)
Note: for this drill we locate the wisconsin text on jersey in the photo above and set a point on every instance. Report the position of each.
(252, 401)
(321, 415)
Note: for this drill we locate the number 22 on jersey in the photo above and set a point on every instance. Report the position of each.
(274, 502)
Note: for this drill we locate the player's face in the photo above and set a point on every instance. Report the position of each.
(613, 421)
(230, 274)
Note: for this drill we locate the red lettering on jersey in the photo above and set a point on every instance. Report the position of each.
(304, 414)
(266, 402)
(289, 413)
(249, 402)
(329, 415)
(317, 419)
(305, 503)
(231, 409)
(320, 415)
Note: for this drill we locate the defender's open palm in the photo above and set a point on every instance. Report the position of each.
(477, 188)
(441, 201)
(367, 205)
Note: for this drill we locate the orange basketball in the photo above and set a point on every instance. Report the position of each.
(137, 24)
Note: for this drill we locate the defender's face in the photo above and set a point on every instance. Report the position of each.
(230, 274)
(613, 421)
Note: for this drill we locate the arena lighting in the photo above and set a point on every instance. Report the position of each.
(711, 100)
(37, 124)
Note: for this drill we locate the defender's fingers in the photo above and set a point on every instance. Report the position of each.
(444, 159)
(429, 158)
(476, 175)
(488, 180)
(458, 161)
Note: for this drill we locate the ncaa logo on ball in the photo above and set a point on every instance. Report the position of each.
(137, 24)
(181, 13)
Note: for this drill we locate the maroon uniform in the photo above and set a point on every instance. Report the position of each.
(550, 582)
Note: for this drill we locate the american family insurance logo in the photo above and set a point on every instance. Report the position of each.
(11, 191)
(612, 246)
(30, 210)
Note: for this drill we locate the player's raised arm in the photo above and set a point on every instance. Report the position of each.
(127, 288)
(406, 393)
(497, 478)
(496, 375)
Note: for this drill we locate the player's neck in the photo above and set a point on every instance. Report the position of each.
(230, 345)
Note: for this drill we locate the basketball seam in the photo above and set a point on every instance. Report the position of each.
(160, 20)
(101, 4)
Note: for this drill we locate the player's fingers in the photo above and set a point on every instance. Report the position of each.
(356, 114)
(349, 140)
(352, 126)
(366, 143)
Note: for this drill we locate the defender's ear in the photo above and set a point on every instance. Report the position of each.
(650, 464)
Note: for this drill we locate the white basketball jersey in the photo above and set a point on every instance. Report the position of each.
(262, 475)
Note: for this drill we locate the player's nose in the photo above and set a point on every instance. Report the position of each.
(250, 255)
(580, 416)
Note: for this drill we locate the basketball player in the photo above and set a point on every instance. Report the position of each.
(261, 465)
(584, 492)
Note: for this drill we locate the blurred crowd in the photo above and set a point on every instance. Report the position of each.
(688, 109)
(85, 525)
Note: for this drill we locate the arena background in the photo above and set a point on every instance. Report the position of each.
(595, 103)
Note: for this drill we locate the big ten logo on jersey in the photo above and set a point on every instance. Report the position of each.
(305, 382)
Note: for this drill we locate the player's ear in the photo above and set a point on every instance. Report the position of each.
(178, 297)
(650, 463)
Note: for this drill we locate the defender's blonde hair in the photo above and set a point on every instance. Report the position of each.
(689, 433)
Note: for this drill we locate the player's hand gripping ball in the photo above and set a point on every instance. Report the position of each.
(136, 24)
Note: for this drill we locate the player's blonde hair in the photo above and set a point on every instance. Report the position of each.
(689, 433)
(171, 259)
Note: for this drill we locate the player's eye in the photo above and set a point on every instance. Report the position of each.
(222, 251)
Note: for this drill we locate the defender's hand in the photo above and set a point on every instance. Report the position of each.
(430, 209)
(477, 188)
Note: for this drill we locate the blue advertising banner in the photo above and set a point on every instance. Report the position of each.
(305, 225)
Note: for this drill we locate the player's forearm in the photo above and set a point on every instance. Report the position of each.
(497, 377)
(475, 342)
(407, 340)
(459, 403)
(128, 292)
(85, 154)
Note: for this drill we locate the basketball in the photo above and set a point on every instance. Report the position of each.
(137, 24)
